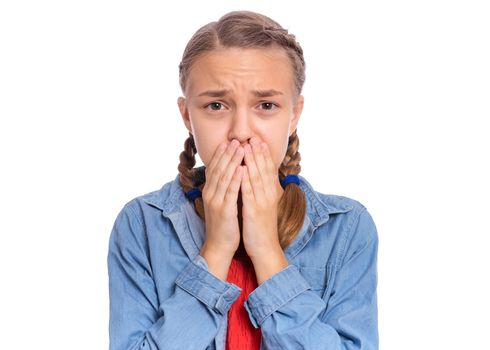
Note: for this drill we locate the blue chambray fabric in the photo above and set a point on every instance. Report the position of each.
(162, 295)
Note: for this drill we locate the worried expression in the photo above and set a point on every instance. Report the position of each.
(237, 93)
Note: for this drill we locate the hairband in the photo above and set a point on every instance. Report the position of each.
(195, 192)
(289, 179)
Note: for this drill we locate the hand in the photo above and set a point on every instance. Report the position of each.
(220, 194)
(261, 192)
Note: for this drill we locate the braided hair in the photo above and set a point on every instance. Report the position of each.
(246, 29)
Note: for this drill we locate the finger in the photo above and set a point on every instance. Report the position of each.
(231, 196)
(227, 176)
(261, 162)
(216, 156)
(253, 173)
(246, 187)
(210, 184)
(214, 172)
(271, 171)
(271, 168)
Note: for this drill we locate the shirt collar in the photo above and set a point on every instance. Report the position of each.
(173, 203)
(171, 198)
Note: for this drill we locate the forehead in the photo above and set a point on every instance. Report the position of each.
(259, 68)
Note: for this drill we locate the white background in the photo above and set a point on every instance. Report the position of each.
(397, 105)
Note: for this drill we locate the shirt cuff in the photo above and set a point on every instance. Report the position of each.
(196, 279)
(274, 293)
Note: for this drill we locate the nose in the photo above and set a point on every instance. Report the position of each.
(241, 126)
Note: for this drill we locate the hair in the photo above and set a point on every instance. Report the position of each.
(246, 29)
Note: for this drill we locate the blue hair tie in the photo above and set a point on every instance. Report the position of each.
(289, 179)
(193, 193)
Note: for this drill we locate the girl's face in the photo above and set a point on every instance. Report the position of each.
(237, 93)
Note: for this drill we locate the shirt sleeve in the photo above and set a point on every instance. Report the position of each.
(188, 319)
(291, 316)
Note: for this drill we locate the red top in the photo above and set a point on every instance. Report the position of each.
(241, 333)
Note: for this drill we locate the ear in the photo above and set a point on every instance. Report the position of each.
(184, 112)
(297, 110)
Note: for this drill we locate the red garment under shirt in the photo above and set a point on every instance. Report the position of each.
(241, 334)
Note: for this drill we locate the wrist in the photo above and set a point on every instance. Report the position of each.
(218, 261)
(268, 264)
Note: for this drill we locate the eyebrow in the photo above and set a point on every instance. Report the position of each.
(258, 93)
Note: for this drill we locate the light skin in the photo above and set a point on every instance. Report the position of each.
(241, 106)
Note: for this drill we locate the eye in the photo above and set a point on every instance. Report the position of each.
(215, 106)
(268, 105)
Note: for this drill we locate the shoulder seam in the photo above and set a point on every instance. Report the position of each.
(348, 235)
(133, 211)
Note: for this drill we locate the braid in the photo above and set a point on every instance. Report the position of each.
(290, 164)
(190, 177)
(288, 41)
(292, 205)
(187, 161)
(246, 29)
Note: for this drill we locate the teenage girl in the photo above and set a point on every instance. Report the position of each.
(242, 253)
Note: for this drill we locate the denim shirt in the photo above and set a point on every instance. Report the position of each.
(162, 295)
